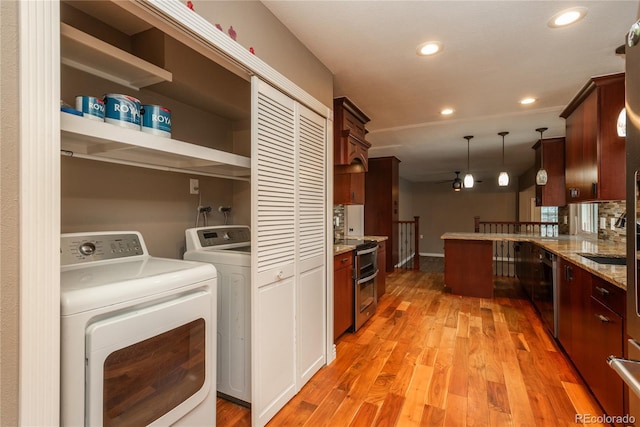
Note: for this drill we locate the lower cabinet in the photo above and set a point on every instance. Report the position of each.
(605, 329)
(343, 294)
(591, 328)
(381, 278)
(607, 334)
(573, 316)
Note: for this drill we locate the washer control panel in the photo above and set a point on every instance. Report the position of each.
(78, 248)
(219, 236)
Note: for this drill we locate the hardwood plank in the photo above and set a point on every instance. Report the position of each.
(390, 410)
(326, 408)
(432, 416)
(365, 416)
(497, 397)
(582, 401)
(456, 412)
(459, 379)
(416, 395)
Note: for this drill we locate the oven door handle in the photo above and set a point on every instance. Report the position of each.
(628, 370)
(366, 251)
(366, 279)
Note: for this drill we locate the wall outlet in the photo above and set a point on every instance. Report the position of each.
(613, 223)
(194, 186)
(603, 222)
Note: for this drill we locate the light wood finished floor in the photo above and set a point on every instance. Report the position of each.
(429, 358)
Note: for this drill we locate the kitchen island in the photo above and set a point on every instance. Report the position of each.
(467, 276)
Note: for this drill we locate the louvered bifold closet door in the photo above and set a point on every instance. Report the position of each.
(273, 297)
(311, 283)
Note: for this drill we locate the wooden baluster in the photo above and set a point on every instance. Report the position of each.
(416, 227)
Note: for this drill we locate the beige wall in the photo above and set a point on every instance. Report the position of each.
(9, 243)
(443, 210)
(525, 205)
(257, 27)
(98, 196)
(405, 210)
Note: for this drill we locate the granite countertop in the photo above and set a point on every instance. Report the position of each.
(567, 247)
(341, 249)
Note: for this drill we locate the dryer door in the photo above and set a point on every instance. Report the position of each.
(150, 365)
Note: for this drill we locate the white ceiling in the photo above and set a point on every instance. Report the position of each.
(495, 53)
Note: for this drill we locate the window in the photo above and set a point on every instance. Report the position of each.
(588, 218)
(549, 214)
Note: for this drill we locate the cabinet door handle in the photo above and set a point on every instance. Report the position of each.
(603, 319)
(602, 291)
(568, 273)
(343, 260)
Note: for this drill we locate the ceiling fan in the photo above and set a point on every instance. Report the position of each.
(457, 183)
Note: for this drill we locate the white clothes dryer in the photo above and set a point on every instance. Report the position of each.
(228, 247)
(137, 334)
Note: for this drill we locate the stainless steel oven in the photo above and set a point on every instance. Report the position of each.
(364, 275)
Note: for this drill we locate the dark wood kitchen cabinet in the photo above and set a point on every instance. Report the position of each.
(591, 328)
(573, 312)
(343, 294)
(351, 153)
(550, 155)
(381, 278)
(348, 187)
(382, 204)
(349, 133)
(594, 153)
(606, 328)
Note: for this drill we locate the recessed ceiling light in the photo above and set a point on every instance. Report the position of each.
(429, 48)
(527, 101)
(446, 111)
(567, 17)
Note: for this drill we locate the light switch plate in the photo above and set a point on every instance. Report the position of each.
(603, 222)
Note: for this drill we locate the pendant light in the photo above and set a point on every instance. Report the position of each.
(541, 176)
(503, 178)
(468, 178)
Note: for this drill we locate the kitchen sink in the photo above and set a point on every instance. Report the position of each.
(606, 259)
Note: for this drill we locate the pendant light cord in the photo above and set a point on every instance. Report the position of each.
(541, 130)
(503, 134)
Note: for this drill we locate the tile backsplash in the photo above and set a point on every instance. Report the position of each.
(610, 212)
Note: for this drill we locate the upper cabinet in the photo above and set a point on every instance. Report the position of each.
(349, 134)
(351, 153)
(595, 154)
(550, 155)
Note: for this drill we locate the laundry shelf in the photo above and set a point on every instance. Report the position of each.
(92, 55)
(85, 138)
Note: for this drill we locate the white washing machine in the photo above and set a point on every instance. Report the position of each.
(137, 334)
(228, 247)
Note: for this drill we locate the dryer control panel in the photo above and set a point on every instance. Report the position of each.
(76, 248)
